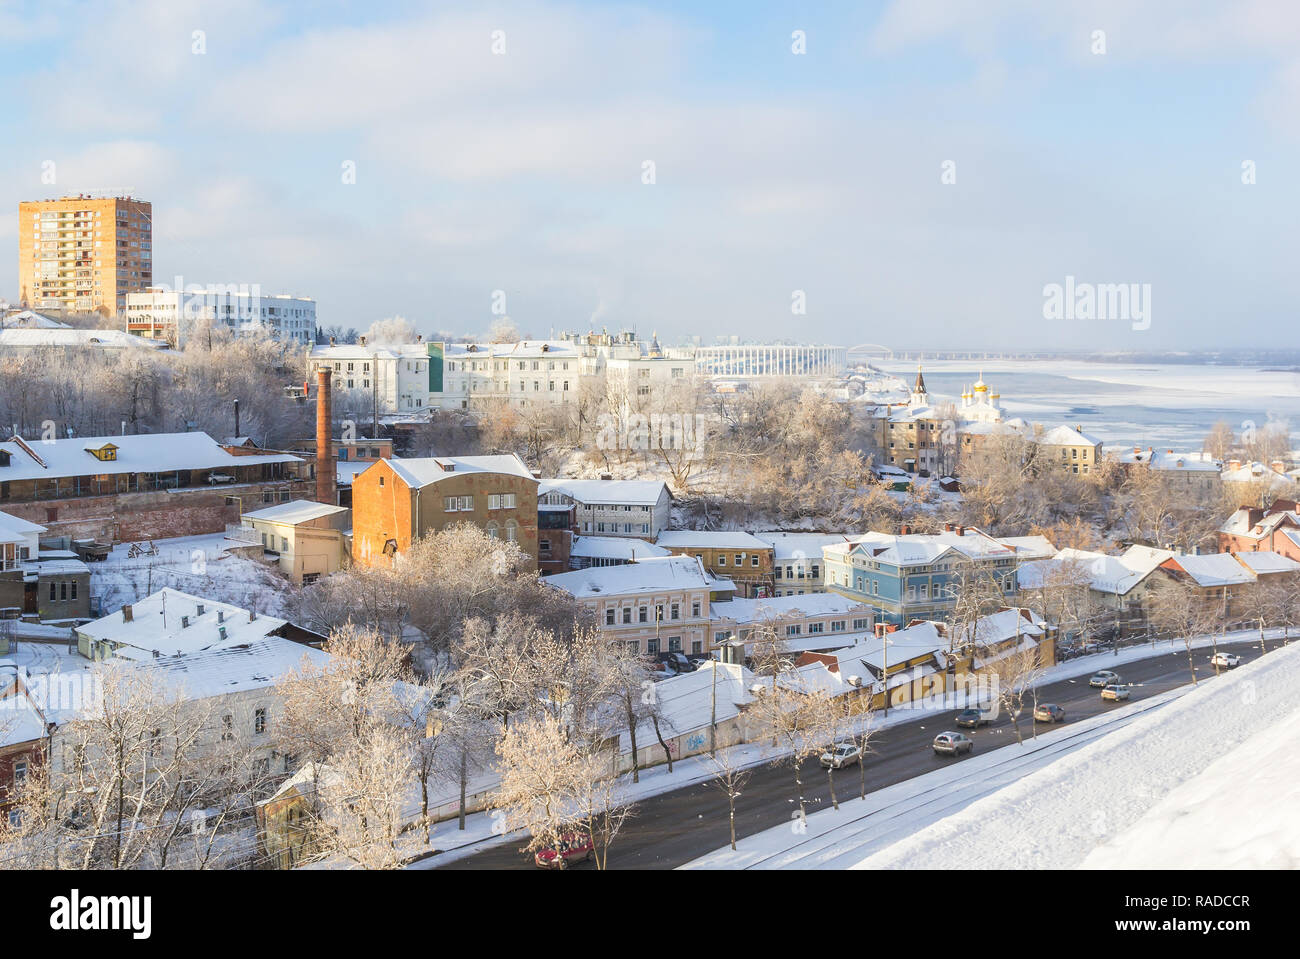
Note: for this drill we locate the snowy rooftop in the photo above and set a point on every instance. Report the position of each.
(777, 607)
(1106, 574)
(686, 701)
(920, 549)
(156, 624)
(196, 658)
(15, 529)
(421, 472)
(644, 576)
(56, 338)
(615, 547)
(1214, 569)
(140, 453)
(1171, 460)
(607, 492)
(710, 539)
(299, 511)
(799, 545)
(1066, 436)
(1264, 562)
(1029, 547)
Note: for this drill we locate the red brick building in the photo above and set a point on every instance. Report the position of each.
(146, 486)
(1253, 529)
(394, 502)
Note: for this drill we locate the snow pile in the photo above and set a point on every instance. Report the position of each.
(1237, 814)
(1136, 784)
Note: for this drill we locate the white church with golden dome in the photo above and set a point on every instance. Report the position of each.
(922, 436)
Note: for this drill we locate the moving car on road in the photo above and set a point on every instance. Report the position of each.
(952, 744)
(1103, 677)
(970, 718)
(1116, 692)
(1049, 713)
(1226, 660)
(843, 754)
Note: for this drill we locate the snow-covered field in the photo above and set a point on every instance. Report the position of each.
(201, 565)
(1198, 777)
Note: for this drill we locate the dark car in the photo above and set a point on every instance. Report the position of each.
(1049, 713)
(678, 662)
(970, 718)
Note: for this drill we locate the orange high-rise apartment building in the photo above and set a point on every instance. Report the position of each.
(84, 253)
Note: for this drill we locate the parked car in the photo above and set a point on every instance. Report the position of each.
(572, 847)
(1116, 692)
(678, 662)
(1103, 677)
(1226, 660)
(952, 744)
(970, 718)
(843, 754)
(1049, 713)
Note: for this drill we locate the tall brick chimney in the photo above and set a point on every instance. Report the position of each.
(326, 482)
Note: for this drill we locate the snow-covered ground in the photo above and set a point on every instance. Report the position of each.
(1145, 785)
(201, 565)
(1238, 813)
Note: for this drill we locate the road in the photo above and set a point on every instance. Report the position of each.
(675, 827)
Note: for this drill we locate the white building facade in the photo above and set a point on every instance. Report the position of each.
(174, 315)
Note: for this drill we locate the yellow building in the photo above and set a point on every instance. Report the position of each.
(309, 540)
(84, 253)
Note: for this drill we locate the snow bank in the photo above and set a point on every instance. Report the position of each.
(1056, 817)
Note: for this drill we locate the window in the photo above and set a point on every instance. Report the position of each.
(609, 616)
(627, 614)
(512, 531)
(697, 647)
(837, 626)
(794, 630)
(674, 644)
(722, 559)
(72, 589)
(675, 611)
(642, 614)
(861, 624)
(259, 721)
(652, 645)
(695, 610)
(53, 591)
(753, 560)
(227, 725)
(740, 559)
(492, 529)
(816, 627)
(20, 770)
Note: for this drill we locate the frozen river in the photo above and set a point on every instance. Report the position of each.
(1169, 405)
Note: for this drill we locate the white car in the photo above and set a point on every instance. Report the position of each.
(1226, 660)
(952, 744)
(843, 754)
(1103, 678)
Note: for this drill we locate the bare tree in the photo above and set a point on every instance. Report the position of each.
(731, 778)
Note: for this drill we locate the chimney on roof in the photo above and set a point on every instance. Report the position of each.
(326, 480)
(236, 419)
(363, 341)
(185, 622)
(221, 616)
(1078, 427)
(127, 613)
(332, 341)
(221, 631)
(252, 615)
(419, 337)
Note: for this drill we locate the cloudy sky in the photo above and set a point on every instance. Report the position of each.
(774, 172)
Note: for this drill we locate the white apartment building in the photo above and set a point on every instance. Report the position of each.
(173, 315)
(636, 508)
